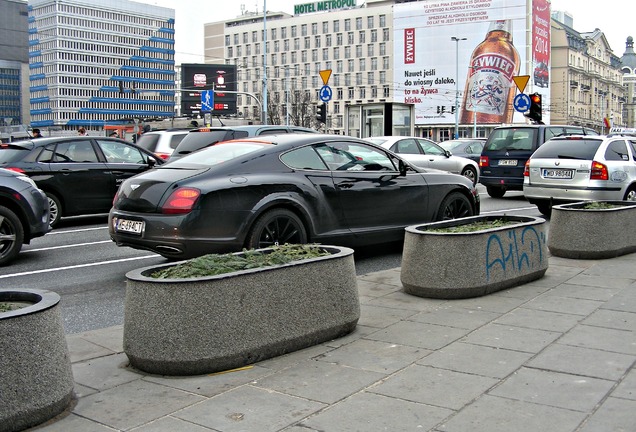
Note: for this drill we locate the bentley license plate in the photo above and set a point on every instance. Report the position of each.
(129, 226)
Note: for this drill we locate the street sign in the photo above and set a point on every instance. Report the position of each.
(522, 103)
(325, 74)
(207, 100)
(521, 81)
(325, 93)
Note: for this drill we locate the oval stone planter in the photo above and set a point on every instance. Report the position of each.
(208, 324)
(460, 265)
(576, 232)
(37, 380)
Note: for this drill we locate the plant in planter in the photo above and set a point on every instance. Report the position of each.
(37, 381)
(208, 323)
(500, 251)
(592, 229)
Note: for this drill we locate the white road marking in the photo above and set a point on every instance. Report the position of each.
(77, 266)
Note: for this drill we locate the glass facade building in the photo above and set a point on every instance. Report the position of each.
(99, 62)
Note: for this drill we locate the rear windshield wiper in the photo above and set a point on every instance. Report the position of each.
(570, 157)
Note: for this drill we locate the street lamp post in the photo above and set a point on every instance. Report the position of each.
(456, 39)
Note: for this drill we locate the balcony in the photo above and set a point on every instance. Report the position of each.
(585, 87)
(574, 83)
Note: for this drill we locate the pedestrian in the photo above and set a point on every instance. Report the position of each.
(81, 132)
(37, 133)
(114, 134)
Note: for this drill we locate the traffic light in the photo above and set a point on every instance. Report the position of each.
(321, 113)
(535, 108)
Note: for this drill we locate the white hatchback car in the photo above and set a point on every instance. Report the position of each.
(582, 168)
(162, 142)
(428, 154)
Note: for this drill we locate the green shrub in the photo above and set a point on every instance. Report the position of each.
(475, 226)
(216, 264)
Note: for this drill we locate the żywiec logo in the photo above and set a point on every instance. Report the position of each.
(409, 45)
(200, 80)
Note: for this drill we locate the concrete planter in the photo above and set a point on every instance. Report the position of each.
(37, 380)
(202, 325)
(576, 232)
(460, 265)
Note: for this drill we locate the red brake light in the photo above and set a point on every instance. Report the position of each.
(163, 156)
(483, 161)
(599, 171)
(20, 170)
(181, 201)
(526, 169)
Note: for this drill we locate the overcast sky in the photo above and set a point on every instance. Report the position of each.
(615, 18)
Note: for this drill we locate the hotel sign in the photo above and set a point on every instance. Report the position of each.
(323, 6)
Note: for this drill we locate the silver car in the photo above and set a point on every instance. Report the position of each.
(581, 168)
(428, 154)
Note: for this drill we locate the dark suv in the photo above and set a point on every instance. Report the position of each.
(24, 213)
(205, 137)
(80, 174)
(508, 148)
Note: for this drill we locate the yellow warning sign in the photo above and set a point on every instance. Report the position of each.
(325, 74)
(521, 81)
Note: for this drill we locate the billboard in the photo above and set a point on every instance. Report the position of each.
(466, 53)
(198, 77)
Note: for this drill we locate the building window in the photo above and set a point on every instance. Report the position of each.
(339, 68)
(370, 78)
(336, 52)
(350, 38)
(359, 23)
(382, 77)
(358, 51)
(317, 41)
(382, 48)
(254, 36)
(296, 43)
(245, 37)
(307, 42)
(385, 34)
(374, 35)
(358, 78)
(314, 55)
(370, 22)
(227, 40)
(363, 92)
(286, 44)
(362, 36)
(362, 64)
(294, 31)
(303, 30)
(236, 38)
(350, 66)
(283, 32)
(347, 24)
(328, 40)
(351, 92)
(370, 50)
(325, 27)
(339, 39)
(314, 29)
(274, 31)
(385, 91)
(374, 63)
(382, 20)
(374, 92)
(336, 26)
(347, 52)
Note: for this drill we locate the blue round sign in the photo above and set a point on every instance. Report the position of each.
(325, 93)
(522, 103)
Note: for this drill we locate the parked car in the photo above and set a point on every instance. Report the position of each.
(204, 137)
(428, 154)
(581, 168)
(288, 188)
(541, 75)
(469, 148)
(79, 174)
(509, 147)
(162, 142)
(24, 213)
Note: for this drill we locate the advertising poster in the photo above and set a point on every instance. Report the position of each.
(433, 71)
(198, 77)
(540, 74)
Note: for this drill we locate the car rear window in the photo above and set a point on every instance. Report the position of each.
(511, 139)
(176, 139)
(148, 141)
(219, 153)
(12, 153)
(583, 149)
(195, 140)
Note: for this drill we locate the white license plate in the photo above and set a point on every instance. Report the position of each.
(508, 162)
(557, 173)
(129, 226)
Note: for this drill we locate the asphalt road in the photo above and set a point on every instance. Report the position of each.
(79, 261)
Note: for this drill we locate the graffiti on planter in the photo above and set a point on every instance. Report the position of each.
(512, 253)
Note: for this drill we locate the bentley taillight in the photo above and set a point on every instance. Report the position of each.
(181, 201)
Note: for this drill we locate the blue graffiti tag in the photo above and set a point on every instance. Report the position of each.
(513, 259)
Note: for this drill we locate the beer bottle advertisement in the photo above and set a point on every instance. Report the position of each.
(490, 89)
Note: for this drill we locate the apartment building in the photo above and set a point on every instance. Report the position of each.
(98, 62)
(586, 79)
(628, 67)
(355, 43)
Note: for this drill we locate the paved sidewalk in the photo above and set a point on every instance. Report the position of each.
(554, 355)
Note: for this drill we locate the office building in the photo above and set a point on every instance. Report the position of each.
(99, 62)
(14, 62)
